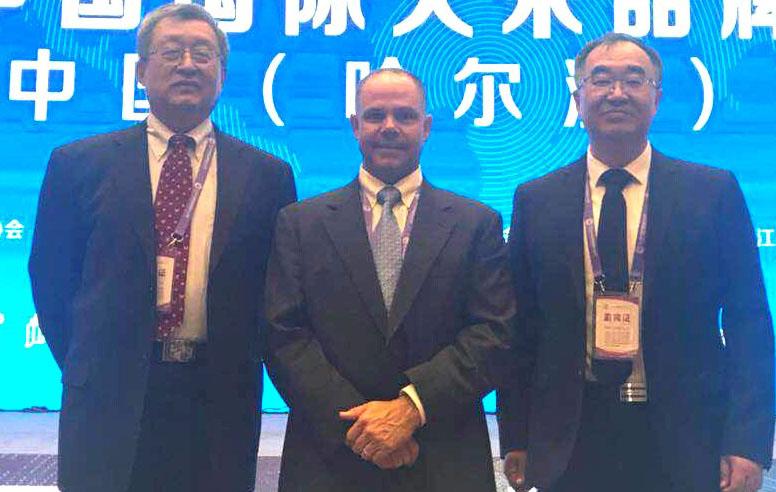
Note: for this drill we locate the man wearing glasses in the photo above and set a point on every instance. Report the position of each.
(147, 270)
(645, 343)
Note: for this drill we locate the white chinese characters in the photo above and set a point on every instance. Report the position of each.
(32, 334)
(41, 95)
(317, 11)
(101, 14)
(747, 14)
(473, 66)
(542, 11)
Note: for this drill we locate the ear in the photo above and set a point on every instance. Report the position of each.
(576, 99)
(140, 69)
(658, 97)
(354, 124)
(427, 120)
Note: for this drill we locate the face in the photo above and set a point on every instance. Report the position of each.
(391, 125)
(186, 88)
(621, 110)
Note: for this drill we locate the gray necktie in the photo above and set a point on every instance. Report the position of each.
(387, 246)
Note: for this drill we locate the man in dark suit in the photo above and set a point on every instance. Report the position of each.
(683, 401)
(389, 309)
(153, 313)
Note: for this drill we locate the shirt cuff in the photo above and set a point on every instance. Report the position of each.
(410, 391)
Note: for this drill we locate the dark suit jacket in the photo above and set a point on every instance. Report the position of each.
(93, 279)
(707, 397)
(332, 345)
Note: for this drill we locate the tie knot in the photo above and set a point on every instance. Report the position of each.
(388, 196)
(180, 141)
(615, 179)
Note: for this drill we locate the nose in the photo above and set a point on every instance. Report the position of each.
(186, 62)
(389, 128)
(617, 90)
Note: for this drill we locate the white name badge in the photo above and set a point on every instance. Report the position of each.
(616, 320)
(165, 268)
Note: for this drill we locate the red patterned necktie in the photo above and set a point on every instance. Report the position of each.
(172, 195)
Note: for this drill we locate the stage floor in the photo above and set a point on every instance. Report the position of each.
(28, 446)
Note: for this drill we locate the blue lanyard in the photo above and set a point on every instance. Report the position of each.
(185, 220)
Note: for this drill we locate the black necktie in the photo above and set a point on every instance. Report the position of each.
(613, 250)
(612, 240)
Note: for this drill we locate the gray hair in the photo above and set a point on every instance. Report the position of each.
(398, 71)
(181, 12)
(610, 39)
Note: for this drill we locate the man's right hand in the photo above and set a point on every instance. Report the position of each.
(514, 469)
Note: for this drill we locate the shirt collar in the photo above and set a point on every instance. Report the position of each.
(407, 186)
(159, 134)
(638, 167)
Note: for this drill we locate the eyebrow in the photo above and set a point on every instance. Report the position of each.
(605, 69)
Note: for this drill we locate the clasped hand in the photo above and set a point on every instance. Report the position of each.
(382, 432)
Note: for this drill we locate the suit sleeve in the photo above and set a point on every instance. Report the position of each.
(299, 368)
(748, 330)
(55, 258)
(464, 371)
(514, 396)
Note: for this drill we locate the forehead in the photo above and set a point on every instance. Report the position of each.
(194, 30)
(390, 89)
(622, 56)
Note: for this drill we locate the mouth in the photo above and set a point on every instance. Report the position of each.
(617, 112)
(186, 85)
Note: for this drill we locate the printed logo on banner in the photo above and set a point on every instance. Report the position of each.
(100, 14)
(41, 95)
(473, 66)
(338, 12)
(32, 334)
(232, 15)
(132, 108)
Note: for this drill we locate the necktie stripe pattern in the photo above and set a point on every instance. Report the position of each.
(172, 195)
(387, 247)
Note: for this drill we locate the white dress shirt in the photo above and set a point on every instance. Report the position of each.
(634, 201)
(195, 304)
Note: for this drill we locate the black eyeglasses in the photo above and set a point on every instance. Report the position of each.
(200, 55)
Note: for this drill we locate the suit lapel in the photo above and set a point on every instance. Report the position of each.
(134, 183)
(570, 209)
(430, 232)
(232, 172)
(663, 192)
(344, 222)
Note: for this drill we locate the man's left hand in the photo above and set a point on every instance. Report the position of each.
(739, 474)
(381, 426)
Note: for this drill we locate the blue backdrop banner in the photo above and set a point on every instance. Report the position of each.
(499, 75)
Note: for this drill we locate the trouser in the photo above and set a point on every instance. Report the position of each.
(172, 452)
(615, 449)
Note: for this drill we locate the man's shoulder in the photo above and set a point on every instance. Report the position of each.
(693, 171)
(463, 204)
(554, 179)
(101, 141)
(254, 153)
(327, 200)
